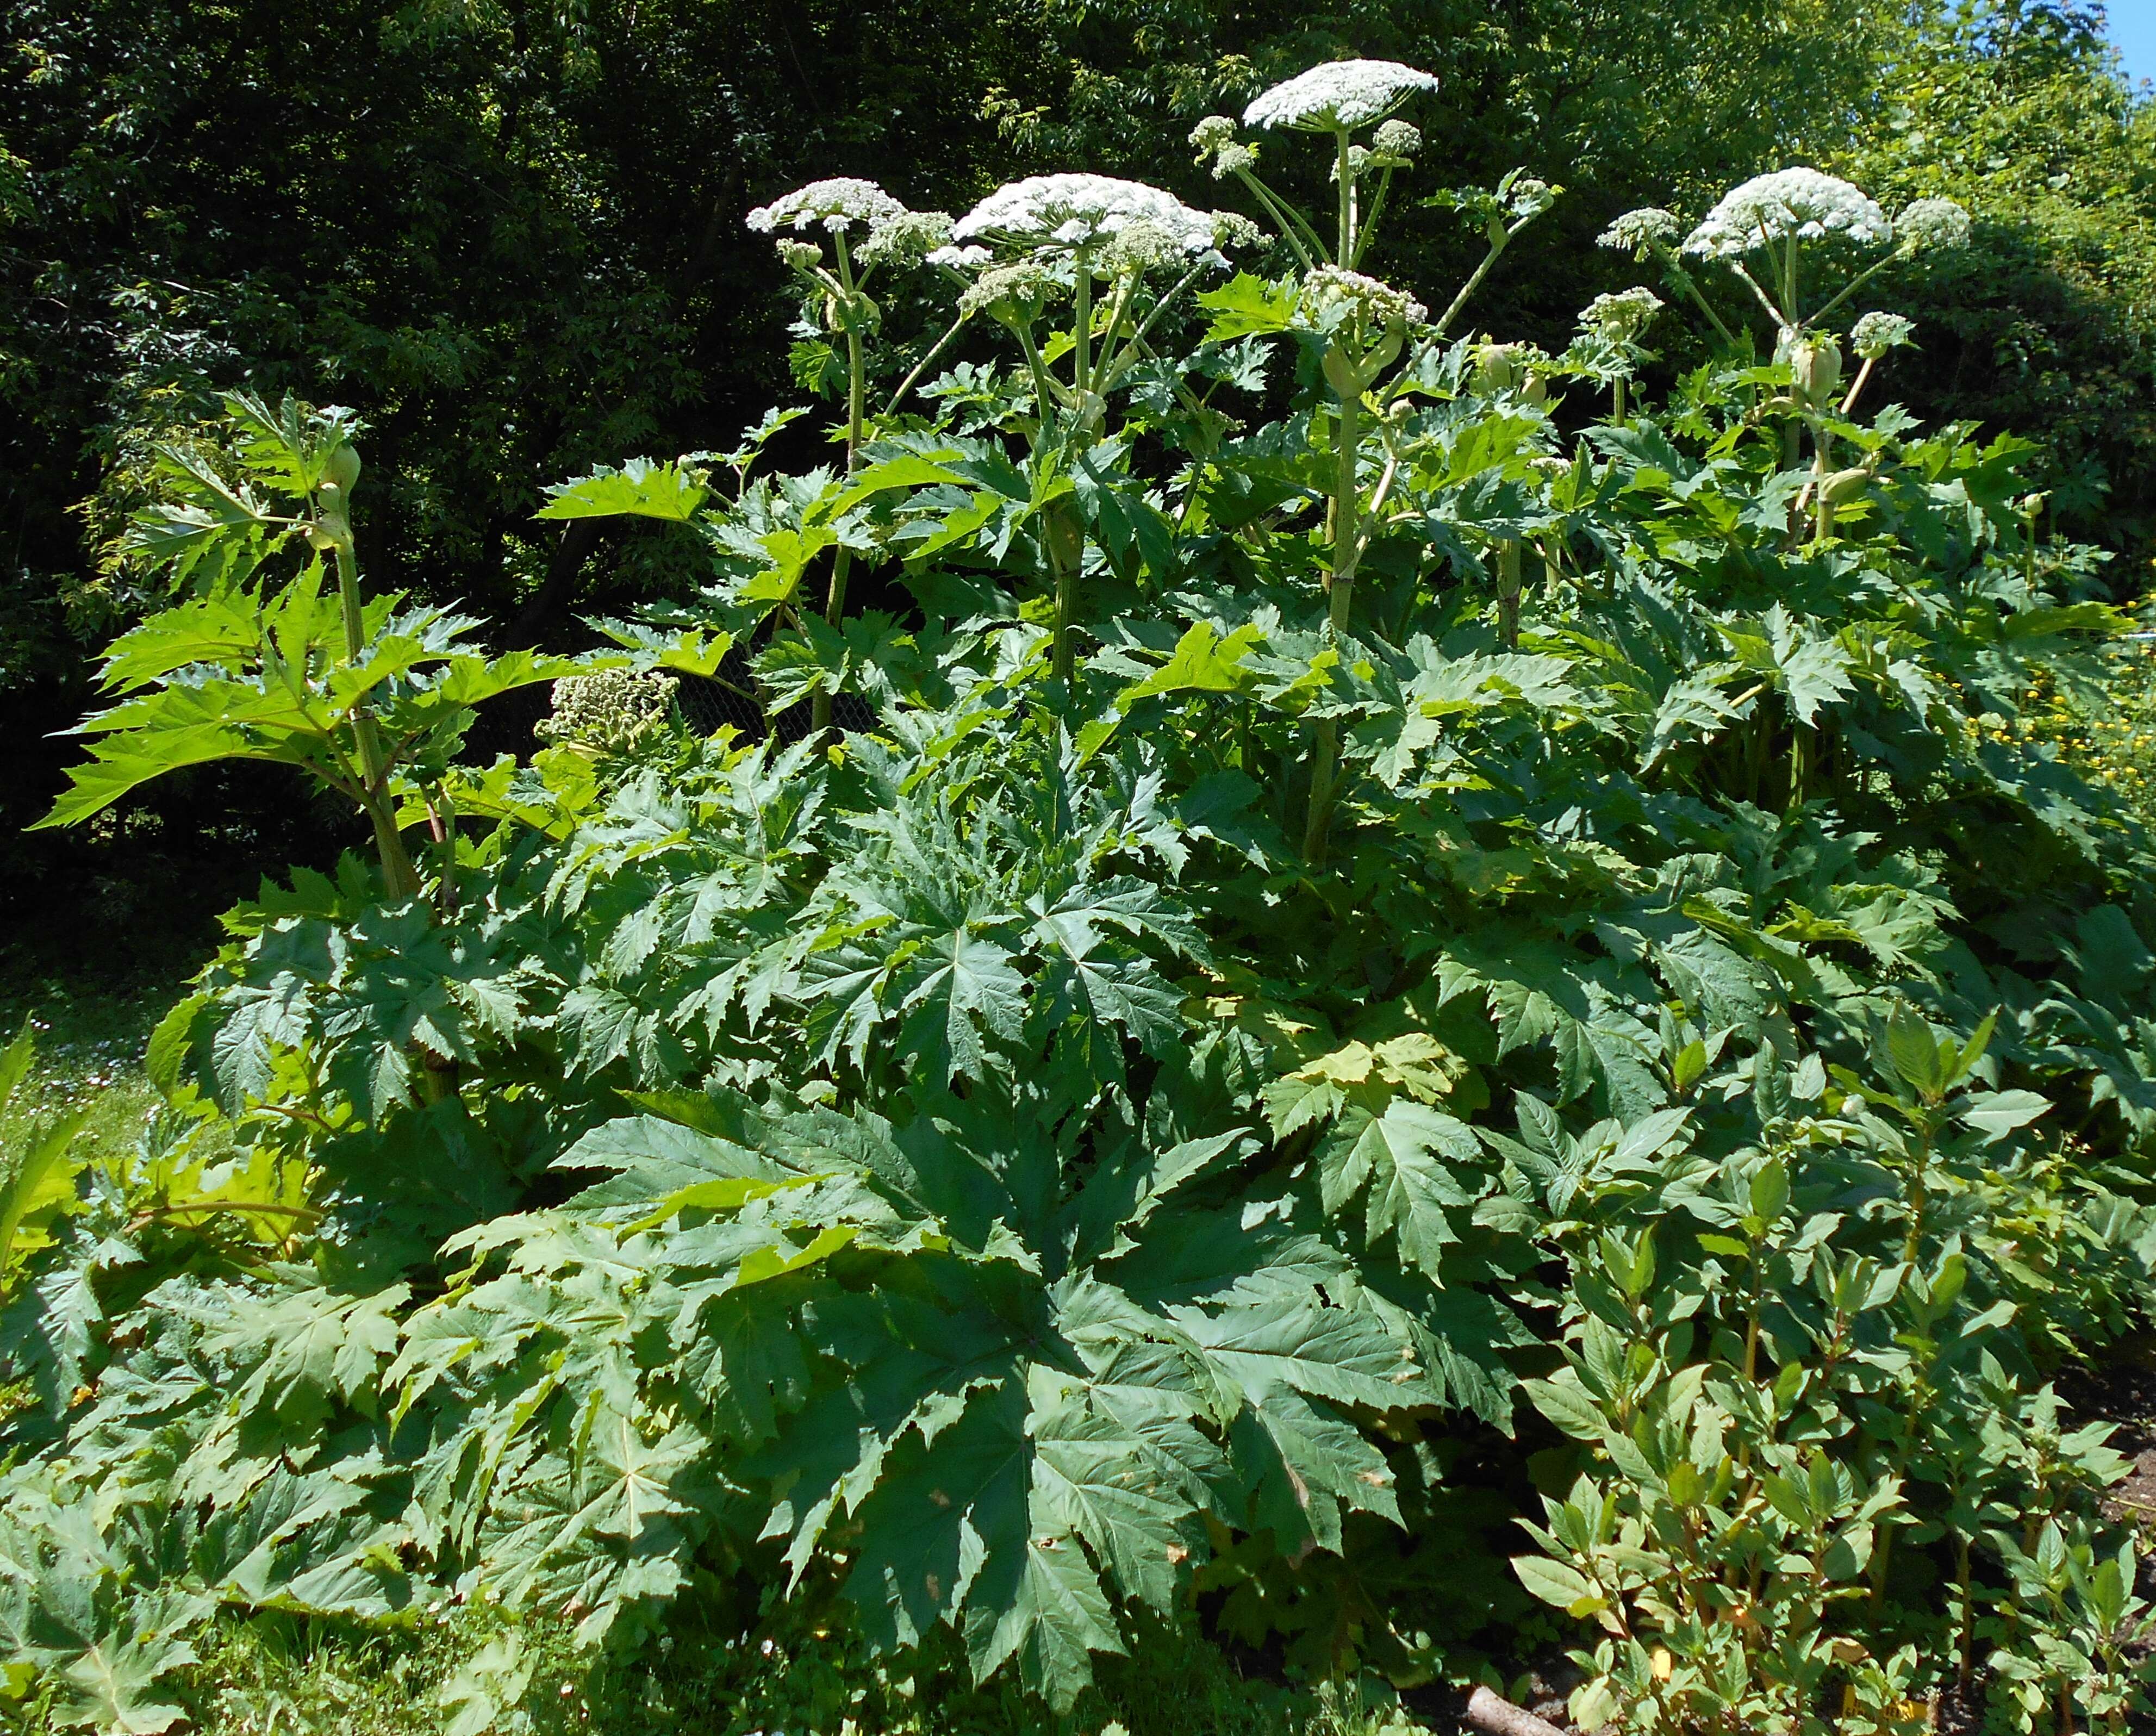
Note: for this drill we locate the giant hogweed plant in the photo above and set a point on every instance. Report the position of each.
(1357, 892)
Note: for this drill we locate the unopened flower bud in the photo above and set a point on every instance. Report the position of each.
(341, 466)
(1843, 486)
(1496, 368)
(1815, 368)
(801, 255)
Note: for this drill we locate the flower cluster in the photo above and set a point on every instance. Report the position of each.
(1621, 318)
(1876, 333)
(1770, 208)
(1215, 136)
(1932, 224)
(1075, 213)
(1642, 230)
(1016, 292)
(905, 239)
(1511, 368)
(1396, 141)
(1211, 133)
(1340, 94)
(837, 205)
(1379, 304)
(611, 711)
(1524, 196)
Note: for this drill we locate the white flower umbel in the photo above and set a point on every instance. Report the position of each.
(1768, 219)
(1378, 303)
(905, 238)
(1875, 333)
(1931, 224)
(1340, 94)
(1871, 337)
(1398, 139)
(866, 227)
(1768, 209)
(838, 204)
(1647, 228)
(1621, 318)
(1040, 235)
(1075, 213)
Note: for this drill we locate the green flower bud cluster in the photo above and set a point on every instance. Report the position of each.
(1378, 303)
(1876, 333)
(1621, 318)
(610, 712)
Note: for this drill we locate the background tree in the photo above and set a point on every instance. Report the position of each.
(510, 235)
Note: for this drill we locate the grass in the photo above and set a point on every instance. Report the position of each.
(90, 1042)
(461, 1672)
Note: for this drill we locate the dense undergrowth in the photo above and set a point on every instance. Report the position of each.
(1411, 1015)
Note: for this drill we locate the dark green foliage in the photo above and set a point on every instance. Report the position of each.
(1349, 904)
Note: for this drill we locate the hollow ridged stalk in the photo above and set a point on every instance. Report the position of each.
(1508, 592)
(1066, 549)
(437, 1074)
(399, 875)
(1340, 589)
(834, 604)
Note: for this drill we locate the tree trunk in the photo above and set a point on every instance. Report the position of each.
(545, 606)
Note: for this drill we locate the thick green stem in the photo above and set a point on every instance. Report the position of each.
(1367, 225)
(399, 875)
(834, 604)
(1294, 228)
(1617, 402)
(1345, 253)
(1066, 552)
(1854, 284)
(1508, 592)
(1347, 514)
(925, 362)
(1919, 1200)
(1081, 329)
(1857, 389)
(1467, 290)
(1822, 510)
(1340, 598)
